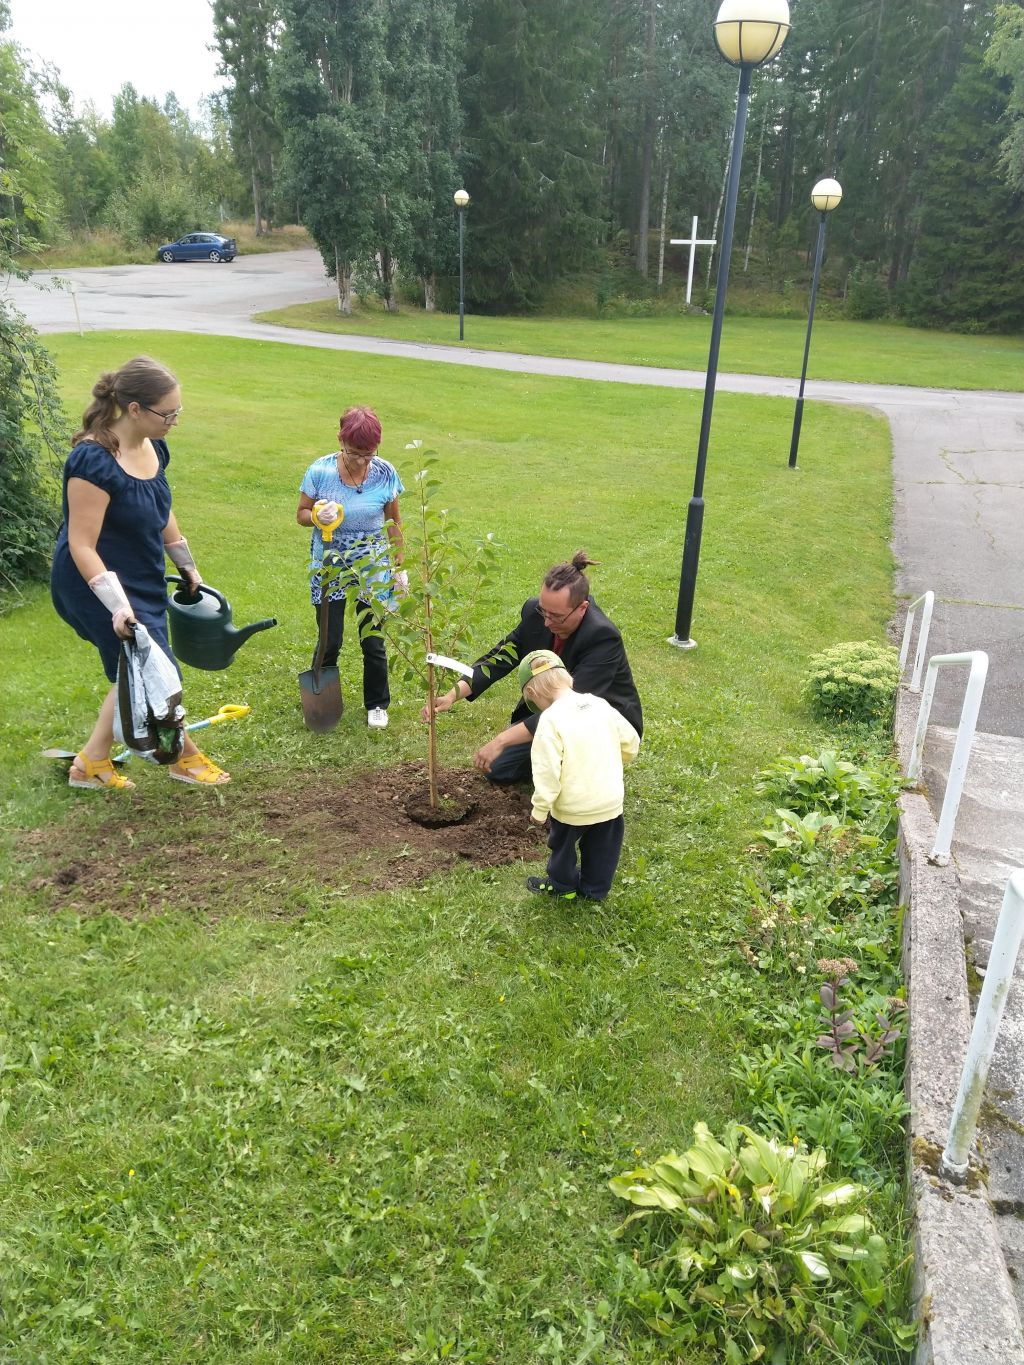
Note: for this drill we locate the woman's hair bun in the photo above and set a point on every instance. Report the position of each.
(105, 385)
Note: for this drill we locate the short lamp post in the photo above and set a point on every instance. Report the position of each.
(461, 200)
(747, 33)
(826, 196)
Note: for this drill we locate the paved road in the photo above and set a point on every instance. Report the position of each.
(958, 469)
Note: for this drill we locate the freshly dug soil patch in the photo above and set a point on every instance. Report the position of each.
(241, 849)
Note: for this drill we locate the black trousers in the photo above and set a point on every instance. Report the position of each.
(375, 660)
(600, 846)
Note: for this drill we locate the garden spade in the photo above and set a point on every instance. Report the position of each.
(319, 687)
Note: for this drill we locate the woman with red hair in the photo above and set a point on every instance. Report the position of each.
(355, 483)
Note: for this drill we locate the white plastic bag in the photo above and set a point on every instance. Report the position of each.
(149, 717)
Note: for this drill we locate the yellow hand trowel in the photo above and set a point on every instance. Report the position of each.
(327, 528)
(228, 711)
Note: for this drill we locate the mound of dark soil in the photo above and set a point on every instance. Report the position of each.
(220, 853)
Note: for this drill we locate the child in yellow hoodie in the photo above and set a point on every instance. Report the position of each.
(577, 755)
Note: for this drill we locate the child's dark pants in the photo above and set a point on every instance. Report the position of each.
(600, 846)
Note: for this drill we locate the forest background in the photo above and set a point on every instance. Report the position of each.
(586, 131)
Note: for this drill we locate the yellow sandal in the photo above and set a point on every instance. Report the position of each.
(99, 775)
(199, 770)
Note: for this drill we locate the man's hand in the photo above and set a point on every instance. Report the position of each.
(441, 704)
(483, 758)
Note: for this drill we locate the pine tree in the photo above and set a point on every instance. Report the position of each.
(1006, 57)
(968, 268)
(532, 146)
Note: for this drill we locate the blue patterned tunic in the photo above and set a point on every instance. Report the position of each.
(362, 529)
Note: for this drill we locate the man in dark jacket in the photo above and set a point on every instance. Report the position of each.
(563, 618)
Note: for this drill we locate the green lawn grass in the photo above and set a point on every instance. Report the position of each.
(313, 1127)
(861, 352)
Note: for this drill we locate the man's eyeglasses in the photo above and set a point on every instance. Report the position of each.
(166, 417)
(555, 620)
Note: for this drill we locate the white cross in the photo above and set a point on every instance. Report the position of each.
(693, 241)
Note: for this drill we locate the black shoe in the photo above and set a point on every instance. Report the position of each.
(541, 886)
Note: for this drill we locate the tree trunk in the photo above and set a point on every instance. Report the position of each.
(257, 206)
(268, 207)
(386, 265)
(343, 279)
(757, 186)
(610, 154)
(647, 163)
(429, 283)
(718, 213)
(787, 169)
(662, 232)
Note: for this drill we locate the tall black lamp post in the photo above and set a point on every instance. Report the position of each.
(461, 200)
(747, 33)
(826, 196)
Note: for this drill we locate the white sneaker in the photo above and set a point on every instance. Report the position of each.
(377, 718)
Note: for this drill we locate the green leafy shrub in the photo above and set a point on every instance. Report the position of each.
(158, 209)
(751, 1250)
(855, 681)
(866, 297)
(33, 436)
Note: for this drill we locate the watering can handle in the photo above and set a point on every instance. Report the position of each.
(203, 587)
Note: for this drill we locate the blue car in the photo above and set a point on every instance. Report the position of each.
(199, 246)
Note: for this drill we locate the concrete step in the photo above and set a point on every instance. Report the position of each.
(988, 845)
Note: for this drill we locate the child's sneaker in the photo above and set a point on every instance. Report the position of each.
(541, 886)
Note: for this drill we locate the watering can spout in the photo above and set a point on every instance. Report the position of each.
(237, 636)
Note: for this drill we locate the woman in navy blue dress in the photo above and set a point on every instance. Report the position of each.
(108, 566)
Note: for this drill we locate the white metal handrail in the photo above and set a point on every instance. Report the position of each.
(928, 599)
(998, 979)
(978, 661)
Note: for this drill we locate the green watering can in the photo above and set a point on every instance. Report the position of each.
(202, 635)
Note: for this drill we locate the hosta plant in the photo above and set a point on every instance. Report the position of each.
(752, 1251)
(827, 782)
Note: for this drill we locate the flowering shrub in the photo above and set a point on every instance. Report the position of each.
(855, 681)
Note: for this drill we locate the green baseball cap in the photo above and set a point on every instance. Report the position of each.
(535, 663)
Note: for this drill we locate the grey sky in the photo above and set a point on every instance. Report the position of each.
(98, 45)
